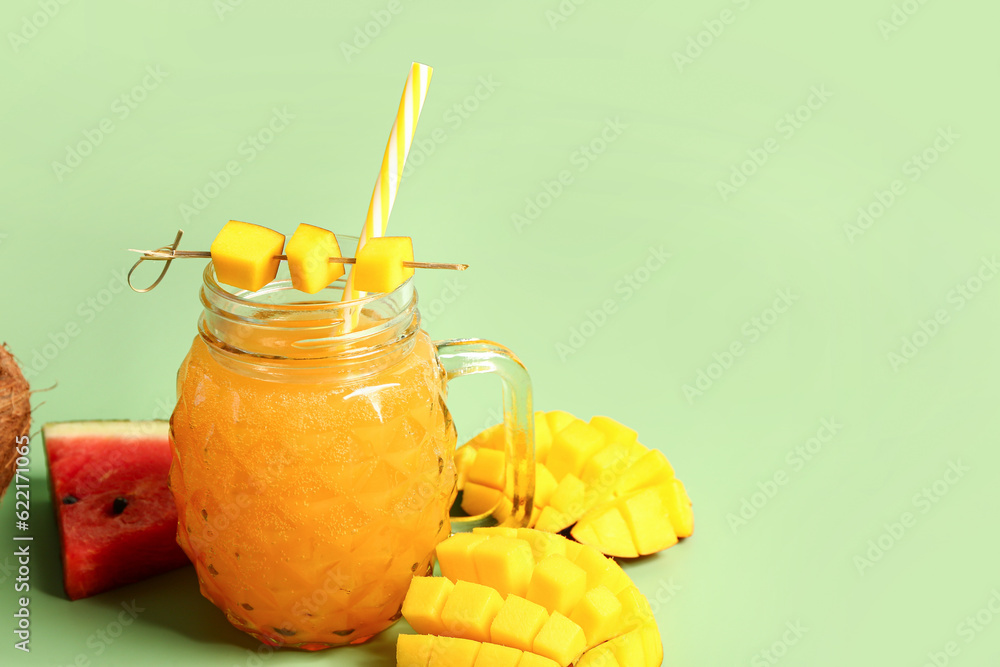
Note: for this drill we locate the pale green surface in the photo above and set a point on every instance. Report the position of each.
(656, 185)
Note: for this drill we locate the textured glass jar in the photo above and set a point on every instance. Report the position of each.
(313, 466)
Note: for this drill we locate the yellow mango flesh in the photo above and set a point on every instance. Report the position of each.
(379, 263)
(453, 652)
(535, 660)
(557, 584)
(492, 655)
(517, 623)
(455, 556)
(469, 611)
(560, 639)
(413, 650)
(598, 613)
(608, 502)
(245, 255)
(504, 564)
(423, 603)
(614, 431)
(572, 447)
(489, 468)
(309, 252)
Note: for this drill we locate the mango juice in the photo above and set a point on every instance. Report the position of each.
(307, 502)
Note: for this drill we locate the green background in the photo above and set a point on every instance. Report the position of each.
(688, 94)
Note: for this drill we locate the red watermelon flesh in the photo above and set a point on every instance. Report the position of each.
(117, 518)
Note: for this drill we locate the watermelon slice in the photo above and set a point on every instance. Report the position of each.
(117, 518)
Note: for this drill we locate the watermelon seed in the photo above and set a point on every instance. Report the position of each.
(118, 506)
(69, 500)
(246, 606)
(286, 632)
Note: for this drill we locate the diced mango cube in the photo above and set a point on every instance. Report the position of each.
(453, 652)
(535, 660)
(413, 650)
(504, 564)
(598, 613)
(606, 466)
(572, 447)
(653, 468)
(504, 508)
(455, 556)
(602, 656)
(465, 456)
(568, 497)
(309, 252)
(558, 420)
(560, 639)
(608, 526)
(423, 603)
(648, 520)
(543, 543)
(469, 611)
(628, 648)
(543, 437)
(601, 570)
(652, 644)
(478, 499)
(636, 611)
(244, 255)
(678, 506)
(489, 468)
(491, 438)
(379, 263)
(557, 584)
(494, 655)
(545, 485)
(614, 431)
(552, 520)
(517, 623)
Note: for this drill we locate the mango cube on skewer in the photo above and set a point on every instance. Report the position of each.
(245, 255)
(309, 252)
(379, 266)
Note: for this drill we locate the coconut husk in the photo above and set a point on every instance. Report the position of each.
(15, 414)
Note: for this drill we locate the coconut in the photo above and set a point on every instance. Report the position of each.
(15, 414)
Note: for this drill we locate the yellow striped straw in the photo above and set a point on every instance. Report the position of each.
(393, 161)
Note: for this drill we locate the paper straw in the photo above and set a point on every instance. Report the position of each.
(393, 161)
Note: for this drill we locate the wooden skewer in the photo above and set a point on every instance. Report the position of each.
(168, 255)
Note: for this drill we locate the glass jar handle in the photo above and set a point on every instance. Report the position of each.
(470, 357)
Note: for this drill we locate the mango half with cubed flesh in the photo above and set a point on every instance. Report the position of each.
(524, 597)
(619, 496)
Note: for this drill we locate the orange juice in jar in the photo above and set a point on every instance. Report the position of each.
(313, 465)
